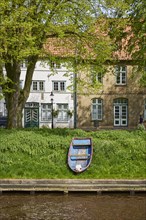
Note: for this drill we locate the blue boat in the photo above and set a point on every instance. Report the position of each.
(80, 154)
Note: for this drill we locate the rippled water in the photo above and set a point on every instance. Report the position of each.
(72, 207)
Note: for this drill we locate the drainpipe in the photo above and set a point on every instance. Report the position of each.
(75, 88)
(75, 98)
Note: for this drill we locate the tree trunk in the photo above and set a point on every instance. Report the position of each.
(12, 109)
(15, 100)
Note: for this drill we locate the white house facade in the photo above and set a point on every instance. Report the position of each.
(50, 102)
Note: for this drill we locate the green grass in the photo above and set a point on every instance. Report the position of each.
(42, 153)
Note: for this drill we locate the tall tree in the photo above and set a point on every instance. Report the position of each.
(27, 26)
(128, 21)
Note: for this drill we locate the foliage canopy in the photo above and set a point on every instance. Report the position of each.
(26, 26)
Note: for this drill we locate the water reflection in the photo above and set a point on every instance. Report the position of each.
(72, 207)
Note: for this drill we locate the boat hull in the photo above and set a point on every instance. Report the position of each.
(80, 154)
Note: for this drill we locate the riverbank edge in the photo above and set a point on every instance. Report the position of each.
(73, 185)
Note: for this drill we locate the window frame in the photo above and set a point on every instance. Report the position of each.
(46, 110)
(120, 112)
(56, 65)
(96, 76)
(59, 85)
(97, 109)
(63, 111)
(121, 75)
(38, 86)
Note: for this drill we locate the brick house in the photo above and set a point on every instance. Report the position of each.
(117, 104)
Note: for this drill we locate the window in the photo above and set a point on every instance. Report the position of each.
(3, 109)
(121, 75)
(46, 112)
(55, 65)
(99, 77)
(31, 105)
(97, 106)
(145, 110)
(96, 76)
(120, 112)
(24, 64)
(59, 86)
(21, 84)
(62, 115)
(37, 85)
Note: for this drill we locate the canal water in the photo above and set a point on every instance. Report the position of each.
(53, 206)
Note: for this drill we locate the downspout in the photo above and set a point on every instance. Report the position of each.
(75, 89)
(75, 97)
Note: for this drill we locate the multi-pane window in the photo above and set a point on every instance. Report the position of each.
(97, 109)
(58, 86)
(120, 112)
(121, 75)
(62, 115)
(38, 85)
(98, 77)
(45, 112)
(145, 110)
(55, 65)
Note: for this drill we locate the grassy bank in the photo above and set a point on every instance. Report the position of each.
(42, 153)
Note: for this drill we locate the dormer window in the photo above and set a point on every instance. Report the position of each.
(55, 65)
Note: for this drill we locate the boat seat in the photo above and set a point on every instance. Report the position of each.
(80, 146)
(80, 156)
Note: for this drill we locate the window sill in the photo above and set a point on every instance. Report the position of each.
(60, 91)
(120, 85)
(96, 120)
(62, 121)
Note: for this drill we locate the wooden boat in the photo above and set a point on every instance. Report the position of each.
(80, 154)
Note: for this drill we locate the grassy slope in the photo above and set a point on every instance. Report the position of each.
(42, 153)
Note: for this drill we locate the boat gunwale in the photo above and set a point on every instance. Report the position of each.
(89, 158)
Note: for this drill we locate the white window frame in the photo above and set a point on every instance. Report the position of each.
(55, 65)
(3, 109)
(63, 109)
(40, 86)
(121, 75)
(121, 112)
(46, 109)
(97, 109)
(59, 86)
